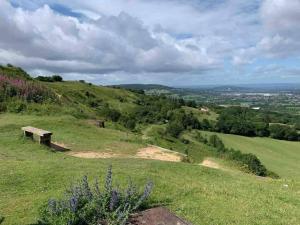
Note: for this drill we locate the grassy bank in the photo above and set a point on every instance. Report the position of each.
(30, 174)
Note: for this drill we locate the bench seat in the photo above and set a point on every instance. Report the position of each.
(44, 136)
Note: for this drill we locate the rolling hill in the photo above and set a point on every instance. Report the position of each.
(31, 174)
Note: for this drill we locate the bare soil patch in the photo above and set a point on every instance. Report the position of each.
(155, 216)
(150, 152)
(211, 164)
(95, 155)
(157, 153)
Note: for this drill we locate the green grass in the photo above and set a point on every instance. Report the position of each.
(71, 92)
(211, 115)
(31, 174)
(282, 157)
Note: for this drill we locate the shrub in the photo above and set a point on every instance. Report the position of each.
(25, 90)
(54, 78)
(199, 137)
(284, 132)
(112, 114)
(84, 205)
(130, 124)
(174, 129)
(57, 78)
(250, 161)
(217, 143)
(16, 106)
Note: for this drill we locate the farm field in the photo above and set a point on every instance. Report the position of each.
(279, 156)
(31, 174)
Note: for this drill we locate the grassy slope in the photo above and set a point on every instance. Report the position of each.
(211, 115)
(282, 157)
(119, 99)
(30, 174)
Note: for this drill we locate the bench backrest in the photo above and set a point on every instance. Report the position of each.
(36, 131)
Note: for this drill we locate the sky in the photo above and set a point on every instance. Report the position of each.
(171, 42)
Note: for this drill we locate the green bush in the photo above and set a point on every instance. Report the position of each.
(112, 114)
(128, 122)
(174, 129)
(217, 143)
(16, 106)
(54, 78)
(84, 205)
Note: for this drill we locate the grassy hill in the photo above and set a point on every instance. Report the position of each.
(16, 72)
(31, 174)
(144, 86)
(280, 156)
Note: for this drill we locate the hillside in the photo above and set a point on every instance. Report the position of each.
(280, 156)
(143, 86)
(31, 174)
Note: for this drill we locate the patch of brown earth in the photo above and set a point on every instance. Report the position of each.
(94, 155)
(157, 216)
(157, 153)
(211, 164)
(151, 152)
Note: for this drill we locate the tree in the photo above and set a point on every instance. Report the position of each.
(205, 124)
(277, 131)
(217, 143)
(57, 78)
(112, 114)
(291, 134)
(297, 126)
(174, 128)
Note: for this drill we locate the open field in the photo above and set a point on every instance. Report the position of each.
(282, 157)
(30, 174)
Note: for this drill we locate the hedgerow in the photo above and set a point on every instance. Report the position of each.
(248, 160)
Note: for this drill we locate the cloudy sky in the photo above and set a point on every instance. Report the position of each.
(173, 42)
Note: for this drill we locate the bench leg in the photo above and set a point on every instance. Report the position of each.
(28, 134)
(46, 140)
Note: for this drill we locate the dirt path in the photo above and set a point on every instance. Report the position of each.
(211, 164)
(157, 153)
(150, 152)
(94, 155)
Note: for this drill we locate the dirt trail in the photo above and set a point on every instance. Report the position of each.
(150, 152)
(211, 164)
(94, 155)
(157, 153)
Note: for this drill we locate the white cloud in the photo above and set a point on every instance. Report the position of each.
(58, 43)
(144, 40)
(281, 32)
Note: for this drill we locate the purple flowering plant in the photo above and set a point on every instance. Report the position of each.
(29, 91)
(84, 204)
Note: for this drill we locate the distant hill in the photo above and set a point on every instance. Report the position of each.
(230, 89)
(143, 86)
(245, 87)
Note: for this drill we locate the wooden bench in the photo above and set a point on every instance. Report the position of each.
(44, 136)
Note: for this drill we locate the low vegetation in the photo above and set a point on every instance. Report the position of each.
(54, 78)
(248, 161)
(87, 205)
